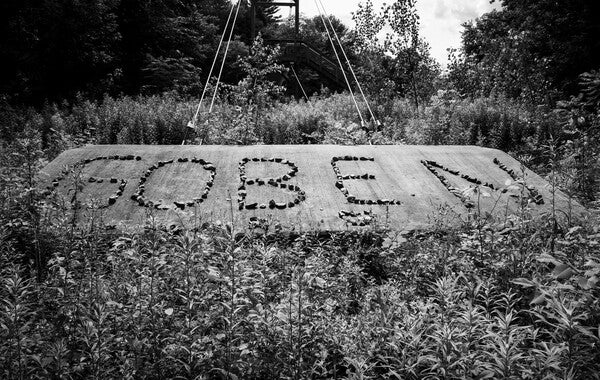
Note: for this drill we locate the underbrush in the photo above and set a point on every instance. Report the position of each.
(564, 140)
(510, 299)
(327, 119)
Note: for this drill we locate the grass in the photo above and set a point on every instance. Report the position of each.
(506, 299)
(510, 299)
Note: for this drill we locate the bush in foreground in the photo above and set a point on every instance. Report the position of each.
(508, 299)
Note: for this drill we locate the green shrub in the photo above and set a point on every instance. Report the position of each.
(515, 298)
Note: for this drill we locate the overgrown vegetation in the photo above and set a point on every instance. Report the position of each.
(516, 298)
(248, 115)
(485, 298)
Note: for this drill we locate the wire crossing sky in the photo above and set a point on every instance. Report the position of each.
(440, 19)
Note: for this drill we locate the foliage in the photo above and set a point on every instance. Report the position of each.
(531, 50)
(512, 298)
(54, 50)
(400, 65)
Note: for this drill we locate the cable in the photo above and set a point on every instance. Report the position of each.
(341, 65)
(237, 11)
(192, 123)
(212, 67)
(348, 62)
(300, 84)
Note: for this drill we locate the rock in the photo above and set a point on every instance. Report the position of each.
(179, 205)
(272, 204)
(281, 205)
(113, 180)
(92, 179)
(112, 200)
(262, 206)
(252, 206)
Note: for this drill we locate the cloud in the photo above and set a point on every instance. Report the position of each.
(465, 11)
(441, 10)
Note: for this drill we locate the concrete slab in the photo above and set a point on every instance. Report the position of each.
(302, 187)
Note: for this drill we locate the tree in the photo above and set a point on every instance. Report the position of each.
(314, 34)
(53, 49)
(168, 43)
(256, 91)
(401, 64)
(533, 50)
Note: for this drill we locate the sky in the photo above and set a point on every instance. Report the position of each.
(440, 19)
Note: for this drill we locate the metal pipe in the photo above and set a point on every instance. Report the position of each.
(297, 25)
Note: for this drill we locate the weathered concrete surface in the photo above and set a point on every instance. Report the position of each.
(312, 186)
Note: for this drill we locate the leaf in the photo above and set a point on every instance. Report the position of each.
(225, 374)
(546, 258)
(562, 271)
(539, 299)
(583, 282)
(524, 282)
